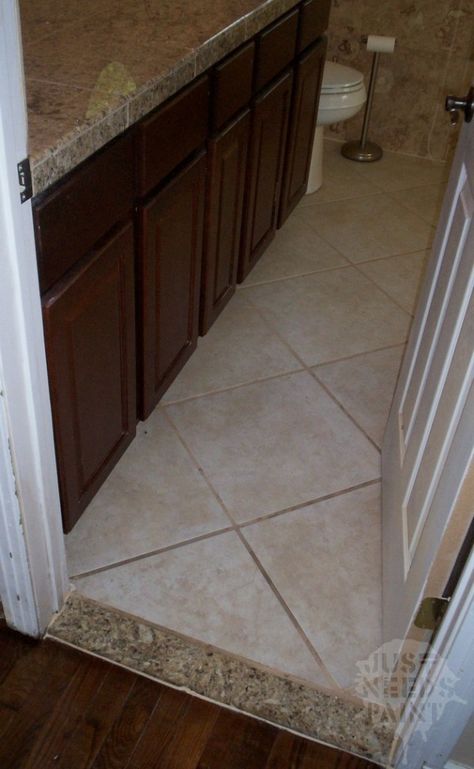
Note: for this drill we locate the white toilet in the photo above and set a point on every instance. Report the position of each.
(343, 94)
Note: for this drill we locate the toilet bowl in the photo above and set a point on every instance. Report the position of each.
(343, 94)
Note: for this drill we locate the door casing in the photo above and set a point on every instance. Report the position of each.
(33, 576)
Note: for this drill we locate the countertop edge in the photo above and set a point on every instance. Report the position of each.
(55, 163)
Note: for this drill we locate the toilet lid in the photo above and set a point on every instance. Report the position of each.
(338, 78)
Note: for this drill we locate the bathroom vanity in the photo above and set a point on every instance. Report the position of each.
(141, 245)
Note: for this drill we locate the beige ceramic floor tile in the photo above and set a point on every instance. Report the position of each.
(296, 250)
(331, 315)
(212, 591)
(274, 444)
(369, 227)
(325, 560)
(340, 179)
(424, 201)
(365, 385)
(153, 498)
(239, 348)
(399, 276)
(400, 172)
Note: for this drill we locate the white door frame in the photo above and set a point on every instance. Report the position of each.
(33, 576)
(451, 660)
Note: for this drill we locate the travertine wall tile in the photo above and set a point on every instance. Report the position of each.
(434, 56)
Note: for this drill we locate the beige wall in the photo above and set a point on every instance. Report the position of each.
(434, 56)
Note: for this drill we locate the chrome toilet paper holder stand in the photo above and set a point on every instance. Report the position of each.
(363, 150)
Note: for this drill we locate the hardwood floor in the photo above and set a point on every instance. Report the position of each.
(62, 709)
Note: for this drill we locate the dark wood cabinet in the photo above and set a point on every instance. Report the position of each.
(265, 166)
(309, 73)
(232, 81)
(89, 322)
(227, 163)
(169, 273)
(124, 303)
(276, 47)
(314, 20)
(171, 133)
(94, 198)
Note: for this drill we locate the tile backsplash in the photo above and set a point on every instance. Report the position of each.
(434, 56)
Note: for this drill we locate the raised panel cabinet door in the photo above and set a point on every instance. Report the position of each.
(170, 255)
(89, 321)
(227, 161)
(267, 148)
(309, 73)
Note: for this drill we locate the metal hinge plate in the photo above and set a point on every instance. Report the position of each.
(431, 612)
(24, 179)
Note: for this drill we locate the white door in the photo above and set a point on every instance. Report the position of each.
(428, 445)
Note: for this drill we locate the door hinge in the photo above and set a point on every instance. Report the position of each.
(24, 179)
(431, 612)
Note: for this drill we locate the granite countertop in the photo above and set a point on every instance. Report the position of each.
(95, 67)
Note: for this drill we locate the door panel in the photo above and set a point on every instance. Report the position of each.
(422, 484)
(225, 196)
(428, 446)
(89, 323)
(447, 271)
(170, 252)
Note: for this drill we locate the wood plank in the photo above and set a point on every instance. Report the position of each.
(286, 752)
(11, 649)
(67, 713)
(177, 732)
(30, 691)
(292, 752)
(127, 730)
(98, 719)
(6, 720)
(237, 742)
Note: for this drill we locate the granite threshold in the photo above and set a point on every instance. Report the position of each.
(224, 678)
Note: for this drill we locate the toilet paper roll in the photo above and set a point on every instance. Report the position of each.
(380, 43)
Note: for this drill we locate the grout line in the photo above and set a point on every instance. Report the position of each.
(387, 295)
(343, 408)
(310, 371)
(377, 193)
(362, 174)
(392, 256)
(411, 210)
(151, 553)
(199, 468)
(358, 355)
(243, 287)
(298, 627)
(309, 502)
(165, 404)
(264, 573)
(224, 530)
(410, 155)
(377, 258)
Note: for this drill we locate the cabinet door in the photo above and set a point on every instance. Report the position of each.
(170, 253)
(265, 167)
(227, 159)
(89, 320)
(309, 73)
